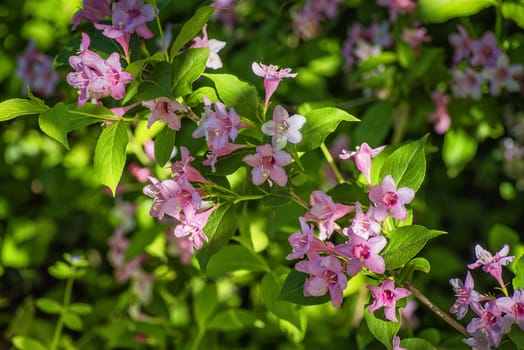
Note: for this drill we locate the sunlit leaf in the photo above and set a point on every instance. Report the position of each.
(73, 321)
(191, 28)
(17, 107)
(232, 319)
(437, 11)
(416, 344)
(110, 154)
(164, 144)
(49, 306)
(26, 343)
(382, 330)
(187, 68)
(232, 258)
(55, 123)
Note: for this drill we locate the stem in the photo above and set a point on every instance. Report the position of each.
(60, 323)
(298, 200)
(438, 311)
(102, 117)
(161, 32)
(241, 198)
(198, 340)
(331, 162)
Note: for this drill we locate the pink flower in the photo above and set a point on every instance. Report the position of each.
(326, 274)
(184, 168)
(212, 156)
(364, 225)
(179, 246)
(462, 44)
(363, 253)
(415, 37)
(112, 78)
(92, 10)
(502, 75)
(466, 296)
(363, 155)
(325, 212)
(492, 264)
(35, 69)
(386, 295)
(440, 116)
(389, 200)
(513, 306)
(301, 241)
(272, 77)
(283, 128)
(396, 343)
(490, 323)
(192, 224)
(268, 164)
(467, 83)
(166, 110)
(485, 51)
(141, 174)
(397, 7)
(213, 61)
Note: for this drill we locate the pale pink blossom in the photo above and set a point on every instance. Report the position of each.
(324, 211)
(485, 51)
(166, 110)
(440, 117)
(396, 343)
(183, 167)
(362, 155)
(268, 165)
(92, 10)
(363, 253)
(272, 76)
(467, 83)
(514, 307)
(415, 37)
(192, 225)
(466, 296)
(214, 46)
(364, 225)
(35, 69)
(398, 7)
(492, 264)
(389, 200)
(284, 128)
(462, 44)
(490, 322)
(503, 75)
(386, 295)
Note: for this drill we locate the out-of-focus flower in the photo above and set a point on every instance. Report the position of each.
(326, 274)
(462, 44)
(440, 117)
(466, 296)
(492, 264)
(396, 343)
(485, 51)
(502, 75)
(362, 156)
(301, 241)
(272, 76)
(398, 7)
(283, 128)
(213, 61)
(35, 69)
(166, 110)
(389, 200)
(268, 165)
(192, 224)
(415, 37)
(386, 295)
(92, 10)
(467, 83)
(324, 211)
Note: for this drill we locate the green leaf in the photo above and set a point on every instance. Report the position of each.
(416, 344)
(416, 264)
(158, 84)
(373, 62)
(375, 125)
(205, 304)
(319, 124)
(191, 28)
(232, 320)
(110, 154)
(514, 12)
(72, 321)
(164, 144)
(140, 241)
(81, 308)
(237, 94)
(438, 11)
(405, 242)
(269, 288)
(501, 234)
(61, 270)
(517, 336)
(276, 196)
(407, 165)
(49, 306)
(518, 280)
(187, 68)
(220, 227)
(423, 64)
(232, 258)
(381, 329)
(26, 343)
(293, 290)
(16, 107)
(458, 150)
(55, 123)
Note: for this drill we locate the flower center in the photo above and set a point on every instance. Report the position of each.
(389, 199)
(360, 252)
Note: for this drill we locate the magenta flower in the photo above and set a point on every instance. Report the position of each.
(485, 51)
(326, 274)
(386, 295)
(184, 168)
(502, 75)
(492, 264)
(462, 44)
(268, 165)
(325, 212)
(467, 83)
(396, 343)
(363, 155)
(35, 69)
(213, 61)
(192, 224)
(466, 296)
(513, 306)
(92, 10)
(301, 241)
(272, 77)
(283, 128)
(440, 116)
(389, 200)
(364, 225)
(363, 253)
(166, 110)
(490, 323)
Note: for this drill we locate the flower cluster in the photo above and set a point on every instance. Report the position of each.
(494, 316)
(330, 265)
(307, 19)
(35, 69)
(481, 61)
